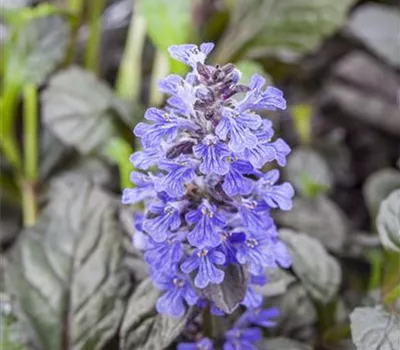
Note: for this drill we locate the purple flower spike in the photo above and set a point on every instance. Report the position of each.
(280, 150)
(228, 245)
(275, 195)
(203, 344)
(170, 85)
(255, 214)
(181, 172)
(282, 254)
(161, 256)
(235, 183)
(167, 218)
(213, 154)
(257, 252)
(242, 339)
(271, 98)
(165, 124)
(190, 54)
(143, 191)
(207, 202)
(252, 299)
(238, 128)
(207, 224)
(177, 292)
(145, 159)
(259, 317)
(205, 260)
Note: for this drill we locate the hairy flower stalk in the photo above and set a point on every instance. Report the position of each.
(207, 200)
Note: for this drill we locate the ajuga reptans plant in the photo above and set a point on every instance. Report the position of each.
(207, 201)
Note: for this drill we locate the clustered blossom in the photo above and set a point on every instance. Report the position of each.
(207, 201)
(244, 334)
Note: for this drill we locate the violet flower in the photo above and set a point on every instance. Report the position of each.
(207, 203)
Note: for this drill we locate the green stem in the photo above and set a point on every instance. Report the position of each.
(391, 279)
(75, 8)
(29, 206)
(31, 136)
(326, 315)
(375, 258)
(8, 141)
(160, 70)
(129, 75)
(392, 297)
(207, 323)
(337, 333)
(95, 20)
(31, 149)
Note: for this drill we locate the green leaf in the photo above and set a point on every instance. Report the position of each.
(284, 28)
(379, 38)
(293, 28)
(129, 111)
(278, 282)
(388, 221)
(10, 338)
(17, 18)
(89, 168)
(282, 343)
(143, 328)
(319, 272)
(374, 328)
(320, 218)
(36, 49)
(67, 273)
(14, 4)
(297, 314)
(53, 154)
(378, 186)
(79, 109)
(228, 295)
(168, 23)
(308, 172)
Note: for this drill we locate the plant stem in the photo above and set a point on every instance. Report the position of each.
(392, 296)
(8, 141)
(129, 75)
(207, 323)
(391, 279)
(326, 315)
(95, 20)
(27, 184)
(337, 333)
(160, 70)
(31, 132)
(75, 7)
(29, 207)
(375, 257)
